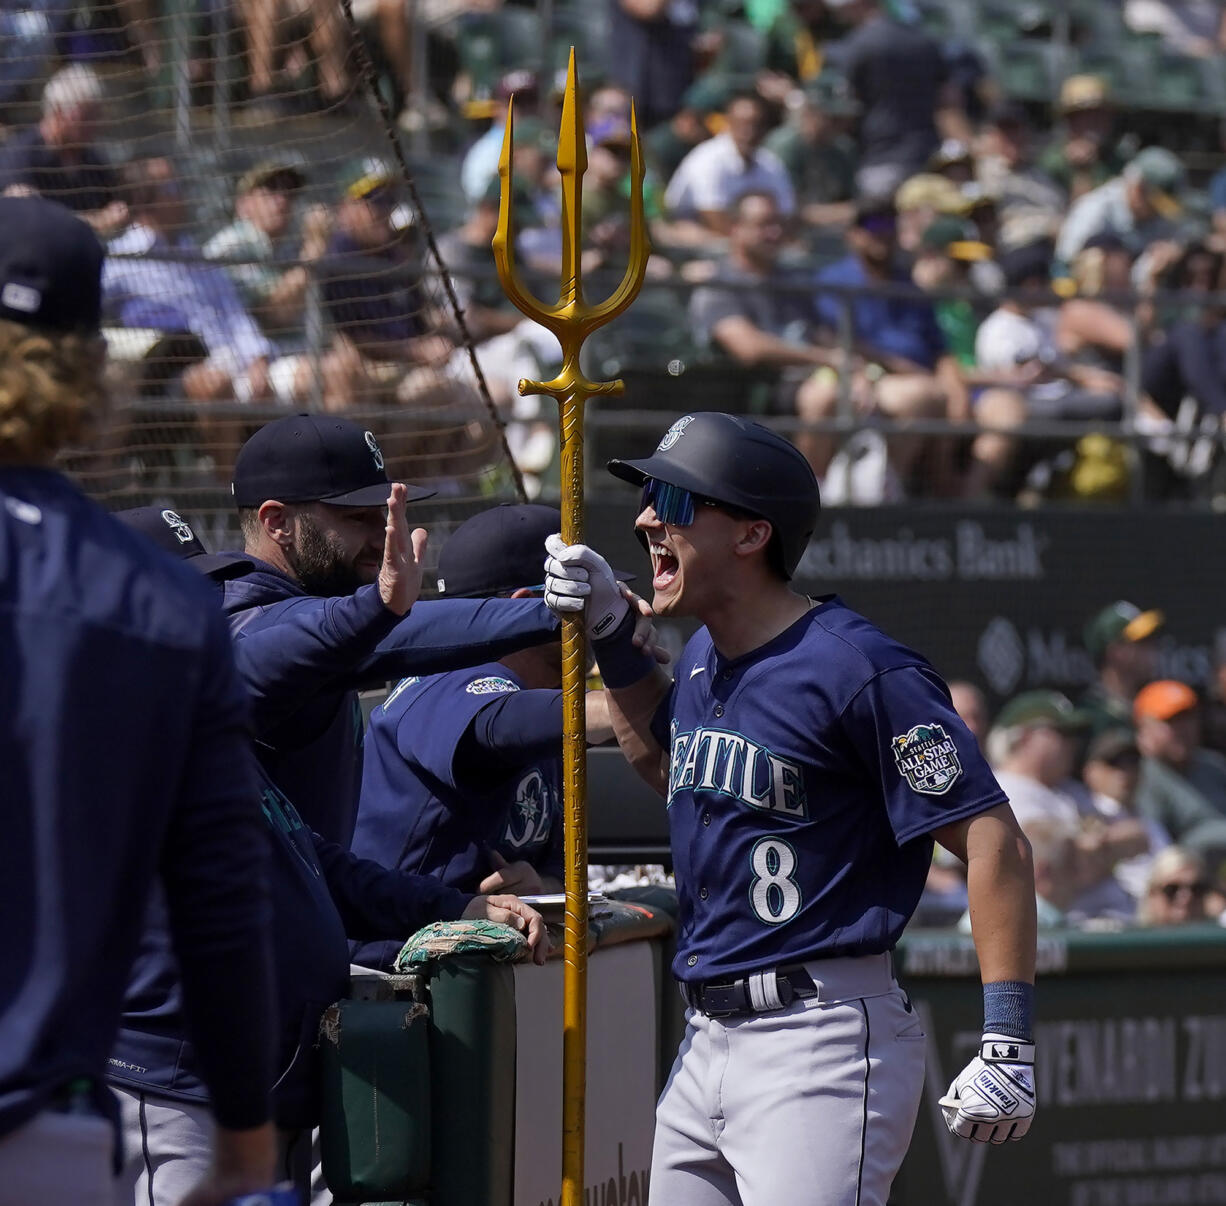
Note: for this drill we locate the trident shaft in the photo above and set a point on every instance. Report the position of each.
(572, 320)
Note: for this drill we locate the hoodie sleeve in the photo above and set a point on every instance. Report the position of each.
(375, 902)
(306, 646)
(452, 634)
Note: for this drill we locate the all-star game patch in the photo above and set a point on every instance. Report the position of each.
(928, 759)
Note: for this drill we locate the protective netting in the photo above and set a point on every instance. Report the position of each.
(266, 252)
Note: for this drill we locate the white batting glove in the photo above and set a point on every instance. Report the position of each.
(578, 578)
(992, 1099)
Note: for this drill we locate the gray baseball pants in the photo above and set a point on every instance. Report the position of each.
(168, 1145)
(812, 1105)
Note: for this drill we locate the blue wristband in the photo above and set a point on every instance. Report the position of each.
(1007, 1006)
(621, 664)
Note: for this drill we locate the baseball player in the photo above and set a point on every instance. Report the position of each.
(125, 760)
(808, 762)
(310, 492)
(462, 774)
(321, 894)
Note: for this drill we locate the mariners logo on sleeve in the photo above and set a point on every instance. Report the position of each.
(928, 759)
(490, 686)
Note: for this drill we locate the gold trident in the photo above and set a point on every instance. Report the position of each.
(572, 320)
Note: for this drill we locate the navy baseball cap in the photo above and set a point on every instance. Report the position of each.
(313, 458)
(174, 535)
(499, 550)
(50, 267)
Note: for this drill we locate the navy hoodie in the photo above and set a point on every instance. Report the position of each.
(321, 893)
(308, 726)
(123, 753)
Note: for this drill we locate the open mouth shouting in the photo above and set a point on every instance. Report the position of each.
(664, 565)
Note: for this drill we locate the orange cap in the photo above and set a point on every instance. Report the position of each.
(1163, 699)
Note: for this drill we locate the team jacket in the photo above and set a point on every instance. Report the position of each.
(320, 895)
(309, 736)
(123, 752)
(453, 770)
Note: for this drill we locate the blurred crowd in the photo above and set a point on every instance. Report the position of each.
(859, 218)
(1122, 793)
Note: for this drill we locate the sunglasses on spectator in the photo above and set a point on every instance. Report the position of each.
(1172, 891)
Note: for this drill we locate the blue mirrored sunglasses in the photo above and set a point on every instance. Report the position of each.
(672, 504)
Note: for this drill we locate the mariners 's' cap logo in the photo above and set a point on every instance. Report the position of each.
(927, 758)
(674, 433)
(179, 527)
(373, 445)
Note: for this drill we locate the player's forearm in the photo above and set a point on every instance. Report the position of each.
(631, 710)
(1000, 891)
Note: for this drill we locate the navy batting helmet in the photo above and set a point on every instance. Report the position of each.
(743, 464)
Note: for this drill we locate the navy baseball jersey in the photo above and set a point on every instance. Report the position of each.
(435, 803)
(804, 781)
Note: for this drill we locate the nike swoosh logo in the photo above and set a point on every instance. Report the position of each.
(697, 670)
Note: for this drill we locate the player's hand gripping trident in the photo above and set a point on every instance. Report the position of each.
(572, 320)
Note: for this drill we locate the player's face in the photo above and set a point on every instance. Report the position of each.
(691, 562)
(337, 549)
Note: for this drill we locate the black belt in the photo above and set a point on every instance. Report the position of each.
(732, 997)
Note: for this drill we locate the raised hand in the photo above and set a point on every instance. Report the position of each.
(403, 553)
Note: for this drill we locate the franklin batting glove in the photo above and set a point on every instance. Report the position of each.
(576, 575)
(992, 1100)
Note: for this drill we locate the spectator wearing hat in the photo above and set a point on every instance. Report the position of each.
(1019, 338)
(1112, 772)
(272, 289)
(716, 172)
(949, 251)
(1033, 747)
(922, 199)
(1181, 782)
(1139, 205)
(1180, 890)
(1029, 204)
(462, 772)
(311, 492)
(370, 282)
(814, 143)
(901, 81)
(57, 158)
(1082, 154)
(479, 167)
(178, 292)
(907, 370)
(1122, 641)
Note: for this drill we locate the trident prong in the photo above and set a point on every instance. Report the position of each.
(572, 320)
